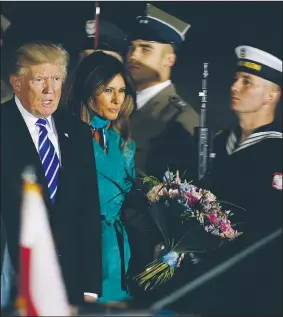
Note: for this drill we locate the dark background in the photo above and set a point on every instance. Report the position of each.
(216, 29)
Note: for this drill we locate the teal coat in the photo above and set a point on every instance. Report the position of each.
(111, 171)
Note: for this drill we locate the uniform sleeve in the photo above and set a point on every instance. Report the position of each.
(188, 119)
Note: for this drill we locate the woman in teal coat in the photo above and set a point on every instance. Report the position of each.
(103, 96)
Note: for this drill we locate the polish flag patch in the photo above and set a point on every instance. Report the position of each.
(277, 181)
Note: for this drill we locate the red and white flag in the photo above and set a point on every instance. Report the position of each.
(41, 289)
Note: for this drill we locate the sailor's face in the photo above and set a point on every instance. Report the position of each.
(145, 60)
(247, 93)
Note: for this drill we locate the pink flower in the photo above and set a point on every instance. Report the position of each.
(212, 218)
(191, 199)
(224, 226)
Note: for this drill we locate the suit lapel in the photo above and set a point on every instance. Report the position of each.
(25, 150)
(64, 140)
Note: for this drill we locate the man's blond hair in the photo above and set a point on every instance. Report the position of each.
(39, 53)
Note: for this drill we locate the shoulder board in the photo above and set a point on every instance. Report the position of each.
(178, 102)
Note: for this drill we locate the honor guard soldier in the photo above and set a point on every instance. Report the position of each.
(247, 170)
(163, 123)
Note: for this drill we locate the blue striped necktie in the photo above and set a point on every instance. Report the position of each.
(49, 158)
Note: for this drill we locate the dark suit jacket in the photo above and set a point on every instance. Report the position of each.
(162, 130)
(75, 216)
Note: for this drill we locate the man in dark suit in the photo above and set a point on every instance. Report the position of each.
(60, 149)
(163, 124)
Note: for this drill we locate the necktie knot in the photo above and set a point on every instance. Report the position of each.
(41, 123)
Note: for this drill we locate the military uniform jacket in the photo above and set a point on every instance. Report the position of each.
(162, 130)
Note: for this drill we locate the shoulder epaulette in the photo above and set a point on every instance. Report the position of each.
(178, 102)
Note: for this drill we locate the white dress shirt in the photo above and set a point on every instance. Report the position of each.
(146, 94)
(34, 130)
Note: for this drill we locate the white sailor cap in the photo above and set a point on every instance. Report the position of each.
(260, 63)
(159, 26)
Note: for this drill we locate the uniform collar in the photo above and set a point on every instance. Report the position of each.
(147, 94)
(271, 130)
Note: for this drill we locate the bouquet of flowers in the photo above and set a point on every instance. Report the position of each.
(191, 221)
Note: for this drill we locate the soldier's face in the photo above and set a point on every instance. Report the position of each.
(248, 93)
(147, 60)
(39, 88)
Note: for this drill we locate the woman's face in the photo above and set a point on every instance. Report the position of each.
(108, 103)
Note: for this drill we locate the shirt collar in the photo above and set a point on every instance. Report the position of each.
(29, 118)
(146, 94)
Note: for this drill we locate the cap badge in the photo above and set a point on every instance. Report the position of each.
(242, 53)
(144, 21)
(90, 28)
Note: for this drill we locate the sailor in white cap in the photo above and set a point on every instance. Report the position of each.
(247, 172)
(161, 114)
(247, 169)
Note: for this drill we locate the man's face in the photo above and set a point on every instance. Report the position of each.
(248, 93)
(39, 88)
(145, 60)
